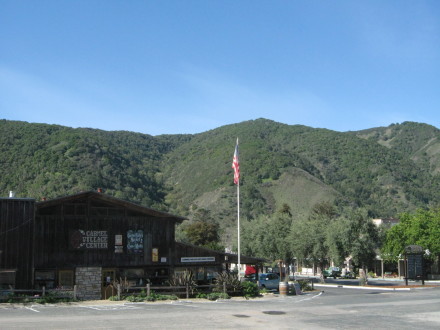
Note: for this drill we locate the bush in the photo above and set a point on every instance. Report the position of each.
(184, 279)
(134, 298)
(304, 285)
(48, 298)
(152, 297)
(201, 295)
(230, 280)
(250, 289)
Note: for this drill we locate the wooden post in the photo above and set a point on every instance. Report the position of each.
(75, 292)
(148, 289)
(382, 268)
(187, 290)
(119, 291)
(224, 287)
(406, 271)
(44, 291)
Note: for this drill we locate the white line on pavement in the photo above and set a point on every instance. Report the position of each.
(31, 309)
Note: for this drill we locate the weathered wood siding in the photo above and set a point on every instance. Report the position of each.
(54, 227)
(16, 230)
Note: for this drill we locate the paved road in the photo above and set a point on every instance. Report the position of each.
(335, 308)
(371, 281)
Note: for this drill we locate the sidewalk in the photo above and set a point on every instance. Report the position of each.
(412, 285)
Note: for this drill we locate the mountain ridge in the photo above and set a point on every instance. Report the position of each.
(386, 170)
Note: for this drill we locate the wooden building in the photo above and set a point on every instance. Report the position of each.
(92, 239)
(16, 237)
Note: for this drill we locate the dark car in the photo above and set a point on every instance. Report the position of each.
(332, 272)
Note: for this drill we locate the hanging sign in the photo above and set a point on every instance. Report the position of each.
(135, 241)
(155, 254)
(197, 259)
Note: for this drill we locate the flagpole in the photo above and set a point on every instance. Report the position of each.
(238, 225)
(236, 167)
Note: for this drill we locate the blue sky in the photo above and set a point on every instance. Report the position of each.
(188, 66)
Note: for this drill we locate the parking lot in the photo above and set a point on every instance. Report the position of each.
(329, 308)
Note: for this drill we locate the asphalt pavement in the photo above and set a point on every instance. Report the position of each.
(324, 308)
(377, 282)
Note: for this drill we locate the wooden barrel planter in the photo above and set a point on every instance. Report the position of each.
(284, 288)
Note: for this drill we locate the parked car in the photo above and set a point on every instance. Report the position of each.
(250, 278)
(332, 272)
(347, 274)
(270, 281)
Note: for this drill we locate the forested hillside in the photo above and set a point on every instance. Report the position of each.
(39, 160)
(385, 170)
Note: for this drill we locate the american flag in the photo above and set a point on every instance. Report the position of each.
(236, 165)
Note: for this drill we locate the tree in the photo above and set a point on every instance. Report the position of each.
(337, 250)
(359, 238)
(268, 237)
(420, 228)
(201, 231)
(310, 238)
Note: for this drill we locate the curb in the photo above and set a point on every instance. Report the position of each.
(361, 287)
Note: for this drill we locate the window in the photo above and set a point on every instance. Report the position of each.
(65, 279)
(134, 276)
(45, 278)
(7, 279)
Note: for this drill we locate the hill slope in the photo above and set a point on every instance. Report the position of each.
(39, 160)
(386, 170)
(356, 170)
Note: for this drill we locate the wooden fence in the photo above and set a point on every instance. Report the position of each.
(16, 294)
(185, 291)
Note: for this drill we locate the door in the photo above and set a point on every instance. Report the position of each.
(107, 287)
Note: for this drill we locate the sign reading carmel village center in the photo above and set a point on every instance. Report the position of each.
(90, 239)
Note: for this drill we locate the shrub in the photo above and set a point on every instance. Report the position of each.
(250, 289)
(263, 290)
(304, 285)
(184, 279)
(201, 295)
(134, 298)
(231, 280)
(152, 297)
(48, 298)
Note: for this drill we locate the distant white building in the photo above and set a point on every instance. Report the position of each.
(388, 222)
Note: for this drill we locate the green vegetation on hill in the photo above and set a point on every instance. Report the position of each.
(385, 170)
(39, 160)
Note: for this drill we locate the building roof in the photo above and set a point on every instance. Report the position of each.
(109, 199)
